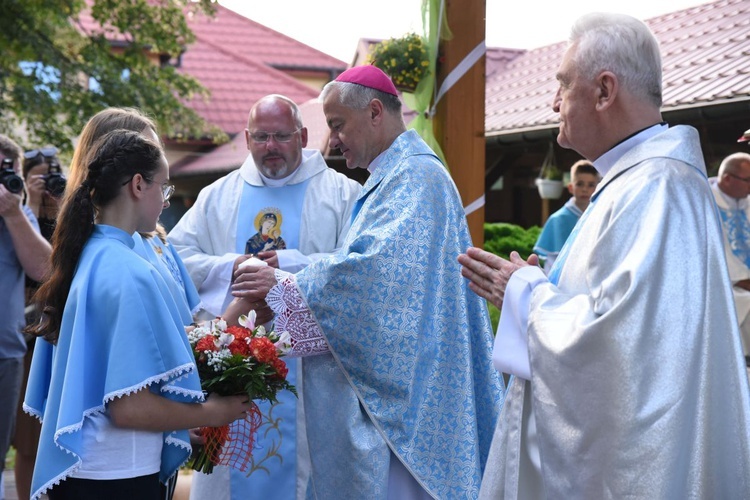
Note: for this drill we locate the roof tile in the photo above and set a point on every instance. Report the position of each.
(704, 53)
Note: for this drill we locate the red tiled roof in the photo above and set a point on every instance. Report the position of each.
(235, 83)
(244, 37)
(705, 55)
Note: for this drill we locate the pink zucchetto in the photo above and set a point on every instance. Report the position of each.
(369, 76)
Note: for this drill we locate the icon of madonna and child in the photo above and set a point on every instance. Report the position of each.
(268, 237)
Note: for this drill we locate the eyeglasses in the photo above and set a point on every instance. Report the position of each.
(167, 190)
(263, 137)
(48, 152)
(745, 179)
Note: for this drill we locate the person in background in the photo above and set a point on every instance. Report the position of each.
(628, 379)
(23, 252)
(123, 384)
(45, 183)
(731, 189)
(285, 198)
(404, 384)
(583, 181)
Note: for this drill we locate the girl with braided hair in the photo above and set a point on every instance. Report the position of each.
(118, 389)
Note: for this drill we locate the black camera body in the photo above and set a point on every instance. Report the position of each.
(9, 178)
(54, 180)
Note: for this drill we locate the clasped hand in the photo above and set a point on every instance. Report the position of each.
(488, 274)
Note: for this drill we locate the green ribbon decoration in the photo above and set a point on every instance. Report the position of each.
(435, 27)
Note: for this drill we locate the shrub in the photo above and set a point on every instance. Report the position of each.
(502, 238)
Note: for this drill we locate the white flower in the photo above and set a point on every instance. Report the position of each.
(220, 324)
(248, 321)
(284, 344)
(224, 340)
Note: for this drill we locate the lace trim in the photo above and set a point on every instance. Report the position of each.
(178, 372)
(164, 377)
(31, 411)
(293, 316)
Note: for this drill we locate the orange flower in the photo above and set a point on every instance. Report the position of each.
(280, 368)
(206, 344)
(263, 350)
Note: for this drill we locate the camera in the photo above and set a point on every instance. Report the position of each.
(9, 178)
(54, 181)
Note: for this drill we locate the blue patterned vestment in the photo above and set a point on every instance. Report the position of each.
(120, 332)
(411, 367)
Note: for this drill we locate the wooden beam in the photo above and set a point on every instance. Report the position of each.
(459, 120)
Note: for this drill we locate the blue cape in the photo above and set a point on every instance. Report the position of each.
(118, 335)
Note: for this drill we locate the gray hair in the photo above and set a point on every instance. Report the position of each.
(731, 163)
(355, 96)
(623, 45)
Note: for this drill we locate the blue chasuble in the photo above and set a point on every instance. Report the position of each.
(411, 371)
(285, 203)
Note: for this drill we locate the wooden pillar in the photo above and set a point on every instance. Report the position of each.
(459, 120)
(545, 210)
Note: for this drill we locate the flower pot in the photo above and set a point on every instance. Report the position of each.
(549, 189)
(405, 88)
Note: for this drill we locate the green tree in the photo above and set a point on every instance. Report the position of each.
(54, 75)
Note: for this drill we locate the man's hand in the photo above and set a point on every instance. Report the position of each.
(239, 260)
(744, 284)
(489, 274)
(10, 203)
(269, 258)
(253, 282)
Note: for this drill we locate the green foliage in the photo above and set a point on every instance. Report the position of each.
(552, 173)
(404, 59)
(502, 238)
(46, 60)
(494, 315)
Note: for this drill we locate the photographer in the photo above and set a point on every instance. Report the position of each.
(45, 184)
(23, 251)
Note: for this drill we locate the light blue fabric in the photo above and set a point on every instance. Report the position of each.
(280, 477)
(411, 343)
(557, 229)
(118, 335)
(287, 201)
(737, 229)
(165, 259)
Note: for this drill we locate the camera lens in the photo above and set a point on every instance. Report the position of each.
(11, 181)
(55, 184)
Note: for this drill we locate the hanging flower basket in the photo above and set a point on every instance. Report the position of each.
(549, 183)
(549, 189)
(404, 59)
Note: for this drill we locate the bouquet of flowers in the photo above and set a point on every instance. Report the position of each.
(232, 360)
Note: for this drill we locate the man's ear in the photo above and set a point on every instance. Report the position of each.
(570, 188)
(376, 111)
(607, 87)
(303, 136)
